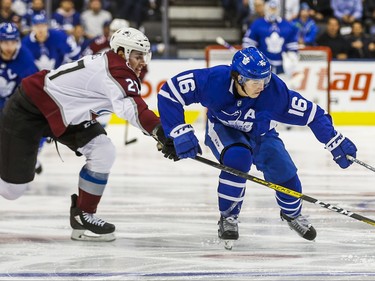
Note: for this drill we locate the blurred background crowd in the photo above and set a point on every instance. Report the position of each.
(347, 27)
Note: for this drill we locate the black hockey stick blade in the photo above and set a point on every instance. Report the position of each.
(286, 190)
(127, 141)
(131, 141)
(351, 158)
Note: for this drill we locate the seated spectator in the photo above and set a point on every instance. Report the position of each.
(6, 12)
(291, 9)
(50, 47)
(320, 10)
(256, 10)
(19, 7)
(235, 11)
(347, 11)
(101, 43)
(79, 37)
(16, 62)
(307, 28)
(65, 17)
(79, 5)
(94, 18)
(369, 16)
(333, 39)
(359, 42)
(36, 8)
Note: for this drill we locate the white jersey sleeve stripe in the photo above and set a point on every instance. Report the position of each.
(175, 92)
(293, 46)
(167, 95)
(312, 114)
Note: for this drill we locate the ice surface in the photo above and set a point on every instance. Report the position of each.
(166, 213)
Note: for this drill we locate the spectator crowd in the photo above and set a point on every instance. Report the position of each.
(347, 27)
(82, 21)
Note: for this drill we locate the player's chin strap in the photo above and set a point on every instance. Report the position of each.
(353, 159)
(286, 190)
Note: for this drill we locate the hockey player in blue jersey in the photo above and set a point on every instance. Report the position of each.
(50, 47)
(243, 102)
(16, 61)
(276, 38)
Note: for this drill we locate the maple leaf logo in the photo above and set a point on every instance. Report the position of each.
(262, 63)
(245, 60)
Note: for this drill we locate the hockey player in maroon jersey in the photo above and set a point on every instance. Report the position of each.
(63, 104)
(101, 44)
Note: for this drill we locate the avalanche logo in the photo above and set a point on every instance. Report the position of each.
(246, 60)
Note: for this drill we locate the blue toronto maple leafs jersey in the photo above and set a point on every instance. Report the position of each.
(214, 88)
(12, 72)
(56, 50)
(272, 38)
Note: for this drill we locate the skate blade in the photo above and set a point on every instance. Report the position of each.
(86, 235)
(228, 244)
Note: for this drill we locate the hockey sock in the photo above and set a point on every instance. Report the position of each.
(91, 188)
(231, 189)
(12, 191)
(289, 205)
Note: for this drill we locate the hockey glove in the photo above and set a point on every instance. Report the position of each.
(341, 146)
(185, 141)
(165, 145)
(169, 151)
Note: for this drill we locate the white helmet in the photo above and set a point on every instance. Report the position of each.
(117, 24)
(131, 39)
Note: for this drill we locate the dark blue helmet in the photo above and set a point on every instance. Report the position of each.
(9, 31)
(250, 63)
(39, 19)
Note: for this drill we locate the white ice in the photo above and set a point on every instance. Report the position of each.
(166, 213)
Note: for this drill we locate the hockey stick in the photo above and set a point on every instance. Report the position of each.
(127, 141)
(222, 42)
(285, 190)
(351, 158)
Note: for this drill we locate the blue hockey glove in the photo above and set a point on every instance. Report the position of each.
(341, 146)
(185, 141)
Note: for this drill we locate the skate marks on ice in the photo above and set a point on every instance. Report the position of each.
(166, 222)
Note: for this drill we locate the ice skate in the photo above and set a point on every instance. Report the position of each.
(300, 225)
(87, 227)
(228, 231)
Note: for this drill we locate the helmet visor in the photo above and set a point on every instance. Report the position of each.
(139, 55)
(147, 56)
(254, 81)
